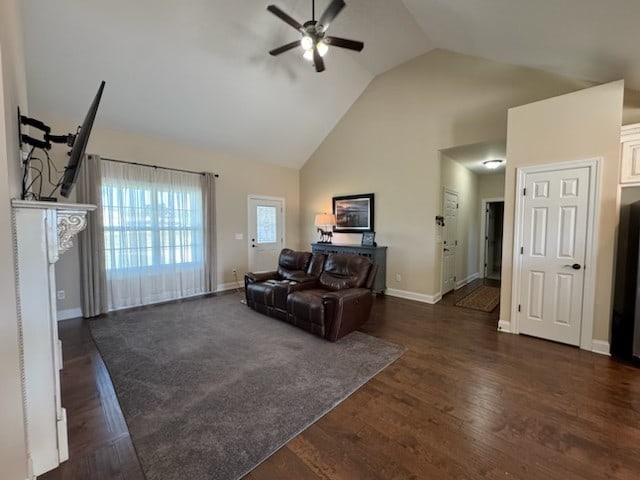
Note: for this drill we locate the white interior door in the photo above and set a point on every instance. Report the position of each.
(555, 223)
(266, 237)
(449, 240)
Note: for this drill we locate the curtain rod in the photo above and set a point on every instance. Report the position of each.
(156, 166)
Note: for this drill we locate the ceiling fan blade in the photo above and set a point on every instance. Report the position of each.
(284, 48)
(283, 16)
(330, 13)
(344, 43)
(317, 60)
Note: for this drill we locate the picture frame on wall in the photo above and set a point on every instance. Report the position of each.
(368, 239)
(354, 213)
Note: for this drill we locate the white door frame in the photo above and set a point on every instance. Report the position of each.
(284, 230)
(483, 233)
(593, 220)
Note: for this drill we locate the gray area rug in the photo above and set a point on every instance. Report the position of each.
(209, 388)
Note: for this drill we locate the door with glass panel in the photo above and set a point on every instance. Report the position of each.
(266, 232)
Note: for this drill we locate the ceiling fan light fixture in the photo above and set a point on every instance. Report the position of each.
(306, 43)
(322, 47)
(314, 42)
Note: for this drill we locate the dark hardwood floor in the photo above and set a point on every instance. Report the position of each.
(464, 402)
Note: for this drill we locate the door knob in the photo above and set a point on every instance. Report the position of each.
(575, 266)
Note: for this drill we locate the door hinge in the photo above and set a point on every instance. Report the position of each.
(524, 192)
(456, 243)
(454, 278)
(521, 250)
(457, 205)
(519, 309)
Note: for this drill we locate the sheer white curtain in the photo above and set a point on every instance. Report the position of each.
(154, 242)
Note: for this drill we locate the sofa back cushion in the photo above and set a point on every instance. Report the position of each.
(293, 264)
(345, 271)
(316, 264)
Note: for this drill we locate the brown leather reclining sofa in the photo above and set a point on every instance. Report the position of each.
(327, 295)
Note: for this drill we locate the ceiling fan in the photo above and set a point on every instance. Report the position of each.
(314, 41)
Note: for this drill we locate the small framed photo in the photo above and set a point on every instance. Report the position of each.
(369, 239)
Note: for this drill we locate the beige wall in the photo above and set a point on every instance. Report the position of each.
(238, 178)
(581, 125)
(491, 186)
(389, 141)
(465, 183)
(13, 459)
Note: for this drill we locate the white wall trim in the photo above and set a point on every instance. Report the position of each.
(223, 287)
(588, 297)
(504, 326)
(483, 233)
(418, 297)
(465, 281)
(601, 347)
(69, 314)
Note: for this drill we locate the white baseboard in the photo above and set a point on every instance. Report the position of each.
(504, 326)
(464, 281)
(418, 297)
(69, 313)
(601, 347)
(223, 287)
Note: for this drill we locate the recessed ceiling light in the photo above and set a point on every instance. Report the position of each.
(492, 164)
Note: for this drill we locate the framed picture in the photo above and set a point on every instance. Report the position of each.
(369, 239)
(354, 213)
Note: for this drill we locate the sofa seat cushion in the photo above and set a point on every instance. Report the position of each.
(307, 305)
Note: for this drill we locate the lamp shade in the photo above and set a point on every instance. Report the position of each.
(325, 220)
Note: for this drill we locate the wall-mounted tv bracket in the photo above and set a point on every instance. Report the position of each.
(47, 138)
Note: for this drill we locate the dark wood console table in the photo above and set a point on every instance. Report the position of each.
(377, 255)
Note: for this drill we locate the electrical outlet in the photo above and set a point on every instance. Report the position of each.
(60, 294)
(398, 277)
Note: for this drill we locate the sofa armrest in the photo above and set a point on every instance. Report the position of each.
(259, 277)
(346, 310)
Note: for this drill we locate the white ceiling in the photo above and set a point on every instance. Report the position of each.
(198, 71)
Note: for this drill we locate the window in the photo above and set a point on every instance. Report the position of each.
(148, 226)
(153, 234)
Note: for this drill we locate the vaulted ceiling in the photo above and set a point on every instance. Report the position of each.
(198, 71)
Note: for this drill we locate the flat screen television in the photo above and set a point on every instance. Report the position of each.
(79, 146)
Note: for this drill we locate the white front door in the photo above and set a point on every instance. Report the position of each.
(449, 240)
(554, 233)
(266, 237)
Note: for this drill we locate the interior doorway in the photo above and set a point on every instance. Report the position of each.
(492, 223)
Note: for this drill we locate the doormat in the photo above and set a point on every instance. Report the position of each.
(483, 298)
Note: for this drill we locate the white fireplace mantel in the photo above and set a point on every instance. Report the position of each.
(42, 232)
